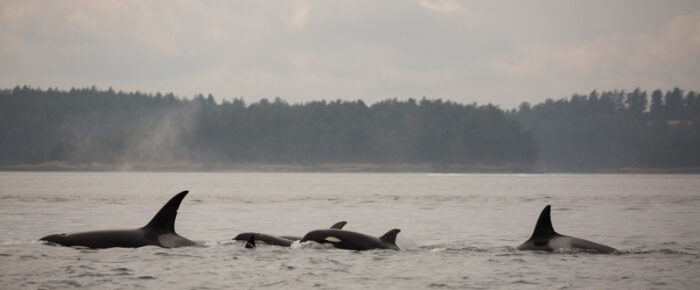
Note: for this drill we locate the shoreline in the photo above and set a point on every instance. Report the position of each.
(326, 167)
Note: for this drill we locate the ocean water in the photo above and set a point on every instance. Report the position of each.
(458, 230)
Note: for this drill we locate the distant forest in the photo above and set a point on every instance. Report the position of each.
(601, 131)
(615, 129)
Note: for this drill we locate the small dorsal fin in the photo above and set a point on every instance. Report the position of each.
(250, 244)
(390, 236)
(544, 228)
(339, 225)
(164, 220)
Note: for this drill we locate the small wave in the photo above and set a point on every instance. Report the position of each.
(10, 196)
(574, 251)
(32, 198)
(311, 245)
(406, 243)
(448, 249)
(174, 254)
(664, 251)
(286, 267)
(71, 283)
(88, 274)
(687, 200)
(53, 199)
(27, 257)
(468, 249)
(524, 282)
(25, 242)
(214, 244)
(121, 271)
(273, 283)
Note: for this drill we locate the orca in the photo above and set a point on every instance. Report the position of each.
(160, 231)
(267, 239)
(338, 226)
(544, 238)
(352, 240)
(284, 241)
(250, 244)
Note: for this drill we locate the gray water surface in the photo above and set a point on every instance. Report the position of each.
(458, 230)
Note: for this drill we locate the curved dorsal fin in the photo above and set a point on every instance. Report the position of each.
(339, 225)
(544, 228)
(164, 220)
(390, 236)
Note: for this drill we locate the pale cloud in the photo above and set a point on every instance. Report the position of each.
(296, 13)
(443, 6)
(679, 40)
(14, 15)
(581, 58)
(665, 59)
(304, 50)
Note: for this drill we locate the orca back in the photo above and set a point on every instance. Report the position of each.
(353, 240)
(544, 238)
(160, 231)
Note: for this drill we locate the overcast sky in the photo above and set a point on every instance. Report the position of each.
(500, 52)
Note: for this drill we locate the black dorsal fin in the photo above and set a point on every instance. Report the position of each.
(164, 220)
(339, 225)
(390, 236)
(250, 243)
(544, 228)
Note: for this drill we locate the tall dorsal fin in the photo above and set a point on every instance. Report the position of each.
(390, 236)
(164, 220)
(339, 225)
(544, 228)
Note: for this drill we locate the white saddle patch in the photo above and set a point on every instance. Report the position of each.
(169, 240)
(560, 243)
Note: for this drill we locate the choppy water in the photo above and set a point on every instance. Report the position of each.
(458, 231)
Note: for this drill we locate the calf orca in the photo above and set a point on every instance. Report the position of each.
(160, 231)
(250, 244)
(267, 239)
(338, 226)
(353, 241)
(544, 238)
(284, 241)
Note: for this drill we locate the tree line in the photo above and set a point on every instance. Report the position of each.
(615, 129)
(599, 131)
(90, 125)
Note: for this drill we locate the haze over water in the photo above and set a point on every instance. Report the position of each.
(458, 230)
